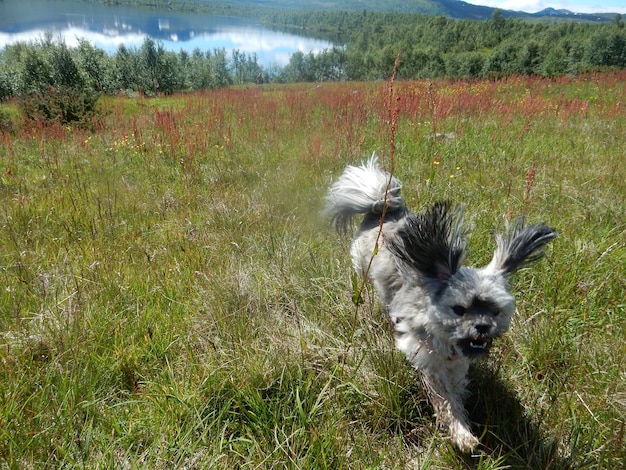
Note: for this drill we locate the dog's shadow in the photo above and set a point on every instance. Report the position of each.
(506, 432)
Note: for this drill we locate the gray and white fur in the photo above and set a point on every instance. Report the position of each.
(444, 314)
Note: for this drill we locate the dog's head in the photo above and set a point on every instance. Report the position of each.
(472, 306)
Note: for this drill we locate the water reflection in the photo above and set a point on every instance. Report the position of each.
(106, 27)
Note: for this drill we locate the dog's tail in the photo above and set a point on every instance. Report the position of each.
(364, 189)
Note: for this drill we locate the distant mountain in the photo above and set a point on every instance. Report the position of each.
(452, 8)
(553, 12)
(570, 15)
(464, 10)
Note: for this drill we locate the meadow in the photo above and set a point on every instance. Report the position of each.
(171, 298)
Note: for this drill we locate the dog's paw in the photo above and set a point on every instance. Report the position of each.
(463, 439)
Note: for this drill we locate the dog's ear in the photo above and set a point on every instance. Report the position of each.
(433, 243)
(520, 246)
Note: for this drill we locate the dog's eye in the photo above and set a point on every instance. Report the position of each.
(459, 310)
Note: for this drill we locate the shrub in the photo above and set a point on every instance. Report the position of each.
(66, 106)
(6, 90)
(6, 123)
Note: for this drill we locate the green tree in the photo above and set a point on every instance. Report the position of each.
(496, 29)
(555, 62)
(246, 68)
(63, 69)
(34, 72)
(95, 66)
(219, 69)
(606, 49)
(150, 61)
(297, 70)
(125, 66)
(468, 64)
(6, 86)
(529, 58)
(502, 61)
(329, 65)
(198, 74)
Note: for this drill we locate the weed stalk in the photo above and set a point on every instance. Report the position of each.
(393, 110)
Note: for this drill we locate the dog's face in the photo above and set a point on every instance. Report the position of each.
(471, 306)
(474, 307)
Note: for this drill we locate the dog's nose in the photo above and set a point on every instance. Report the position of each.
(482, 328)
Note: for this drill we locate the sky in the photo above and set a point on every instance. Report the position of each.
(577, 6)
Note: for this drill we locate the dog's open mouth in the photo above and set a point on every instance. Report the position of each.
(473, 347)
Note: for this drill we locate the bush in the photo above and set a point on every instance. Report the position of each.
(62, 105)
(6, 90)
(6, 123)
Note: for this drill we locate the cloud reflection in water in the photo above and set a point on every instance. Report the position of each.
(109, 27)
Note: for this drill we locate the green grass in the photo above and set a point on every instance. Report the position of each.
(170, 298)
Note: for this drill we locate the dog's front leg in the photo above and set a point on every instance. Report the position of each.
(446, 396)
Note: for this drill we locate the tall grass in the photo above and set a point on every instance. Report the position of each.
(170, 298)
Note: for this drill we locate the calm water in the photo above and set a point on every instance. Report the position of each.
(106, 27)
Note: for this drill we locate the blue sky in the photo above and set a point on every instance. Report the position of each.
(578, 6)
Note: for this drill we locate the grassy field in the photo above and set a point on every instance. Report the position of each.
(170, 298)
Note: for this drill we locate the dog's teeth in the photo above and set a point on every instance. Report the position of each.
(479, 345)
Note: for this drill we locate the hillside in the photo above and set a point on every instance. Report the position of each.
(451, 8)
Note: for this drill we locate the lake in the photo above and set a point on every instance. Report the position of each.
(106, 27)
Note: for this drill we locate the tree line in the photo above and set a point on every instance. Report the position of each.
(36, 66)
(430, 47)
(434, 47)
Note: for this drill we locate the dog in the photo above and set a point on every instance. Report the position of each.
(444, 314)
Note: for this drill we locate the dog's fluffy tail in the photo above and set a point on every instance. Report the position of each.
(364, 189)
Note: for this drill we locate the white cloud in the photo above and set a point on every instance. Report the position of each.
(271, 47)
(109, 41)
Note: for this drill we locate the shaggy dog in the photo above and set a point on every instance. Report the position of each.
(444, 314)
